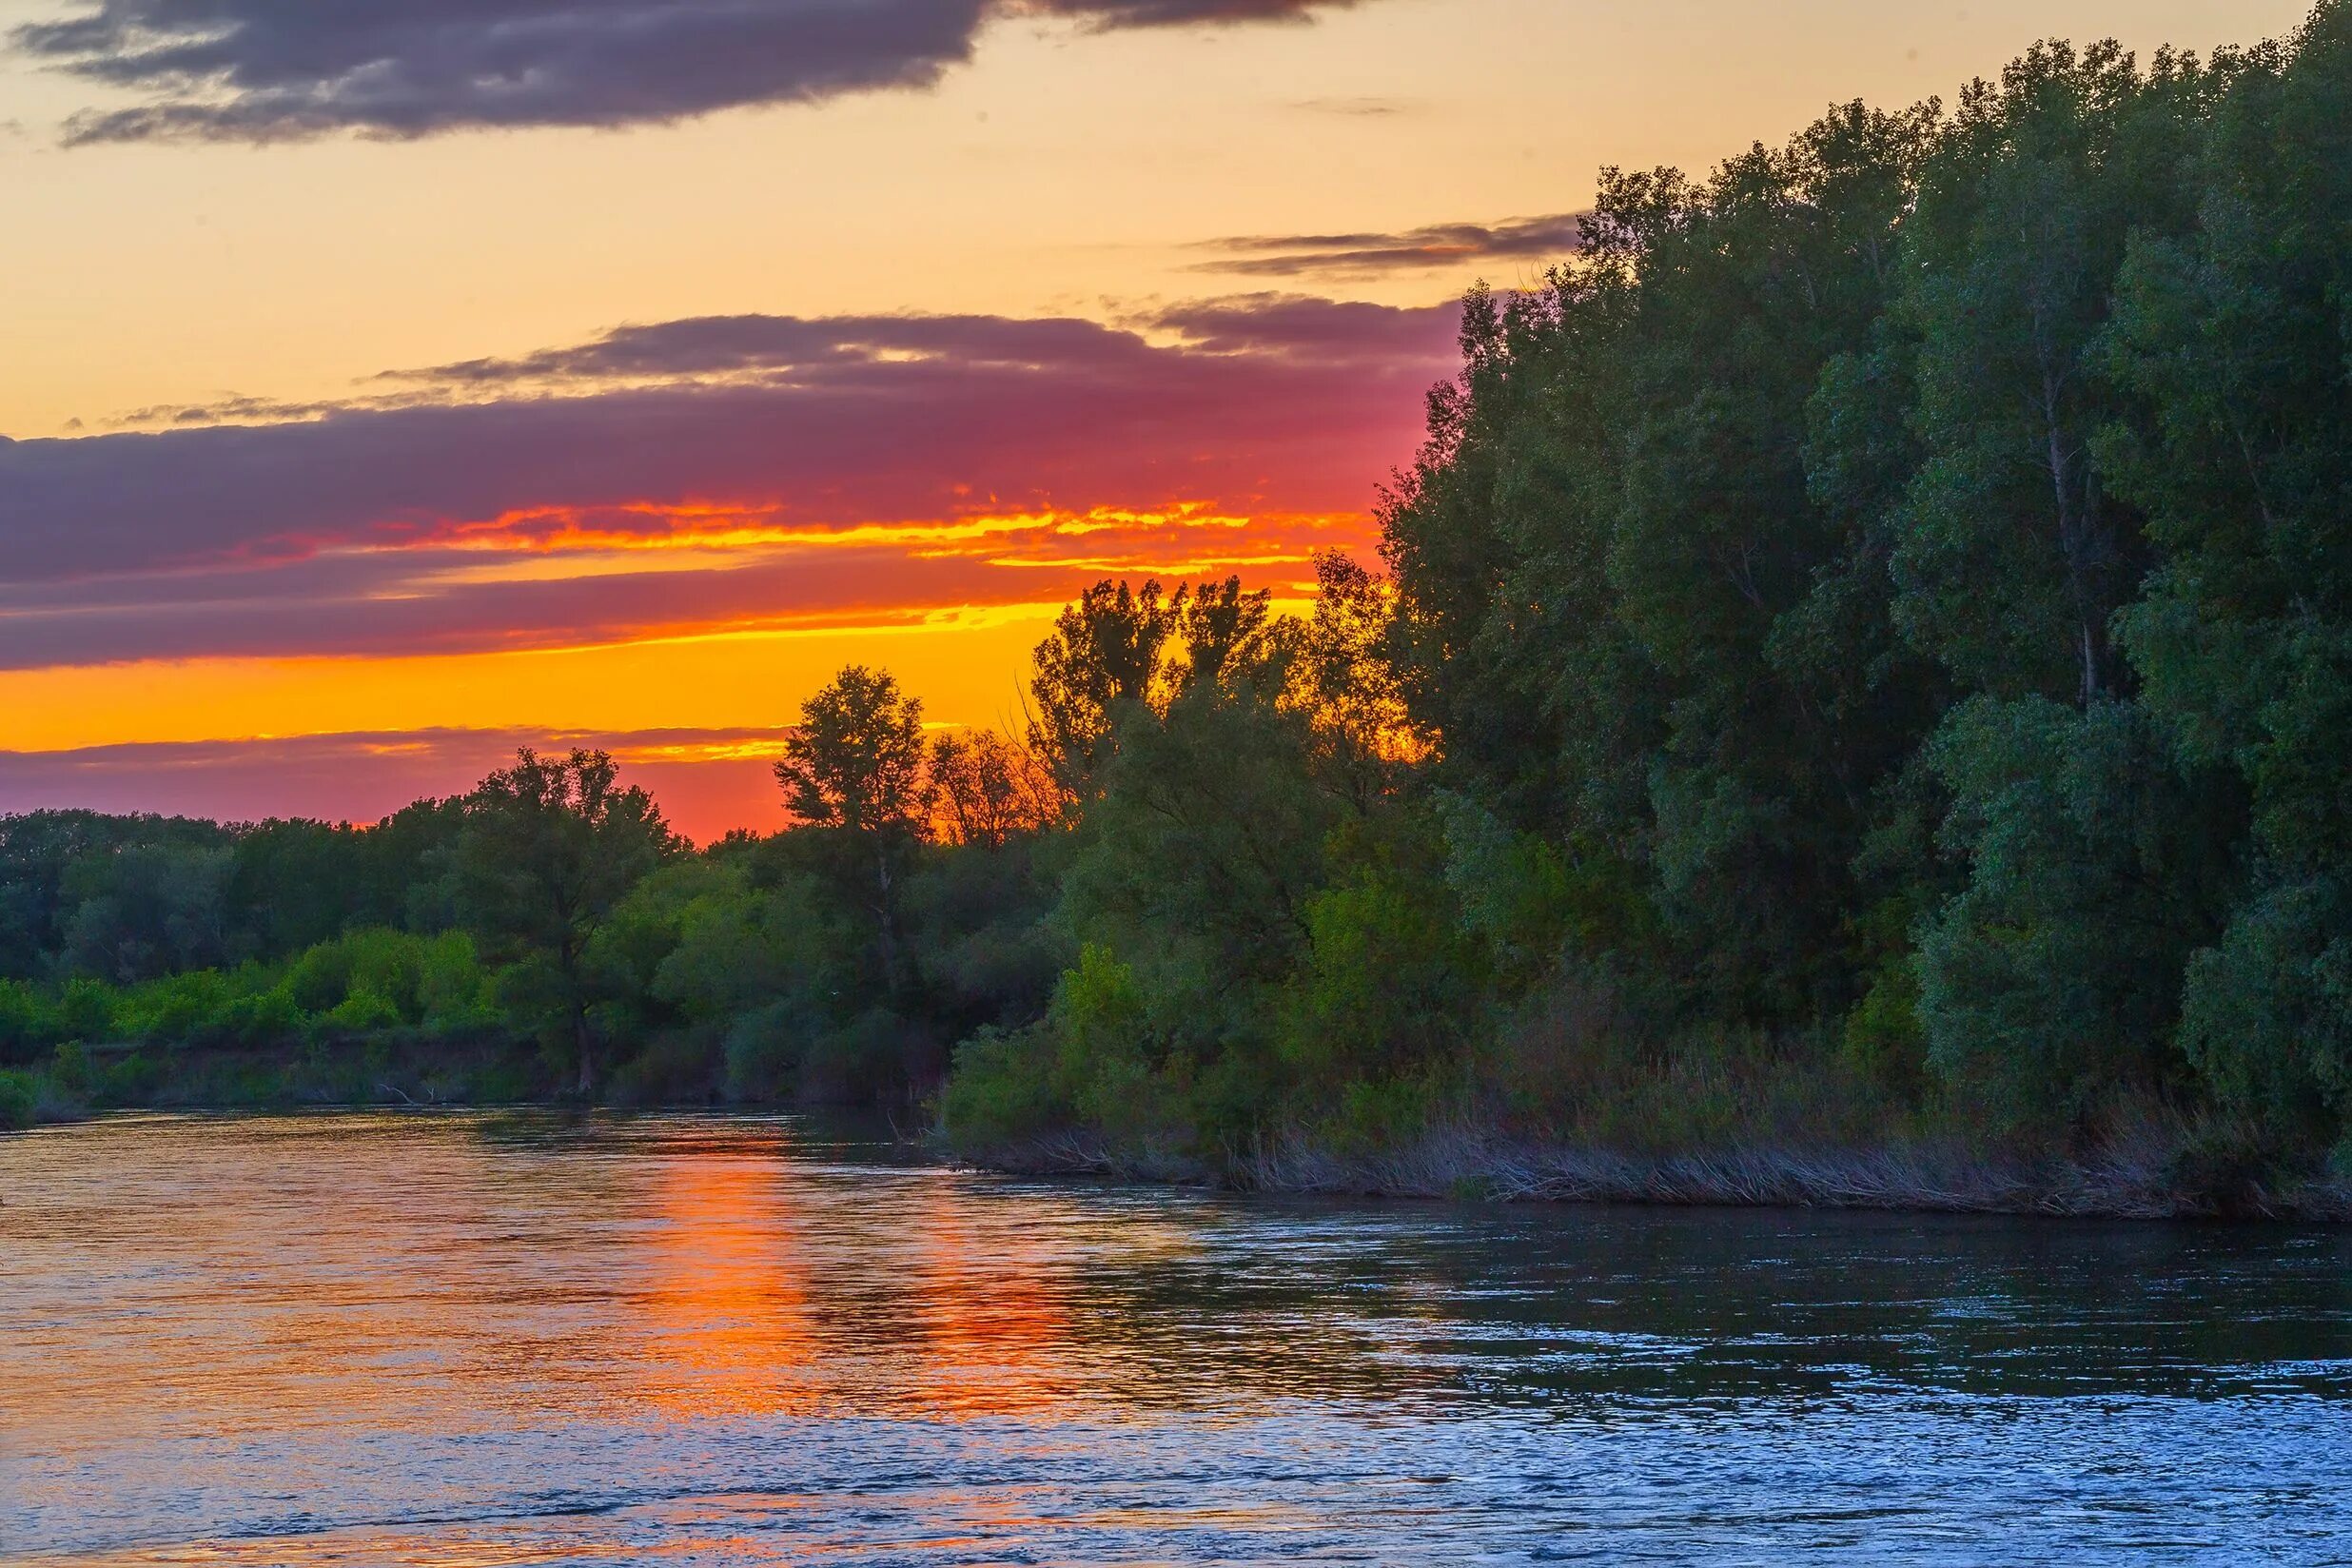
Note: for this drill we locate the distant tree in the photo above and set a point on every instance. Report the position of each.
(146, 909)
(856, 763)
(549, 848)
(294, 883)
(52, 861)
(985, 789)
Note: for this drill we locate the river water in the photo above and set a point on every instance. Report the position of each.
(477, 1339)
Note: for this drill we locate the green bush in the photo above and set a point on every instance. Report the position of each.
(262, 1019)
(20, 1098)
(762, 1050)
(27, 1024)
(364, 1010)
(673, 1069)
(1003, 1092)
(86, 1011)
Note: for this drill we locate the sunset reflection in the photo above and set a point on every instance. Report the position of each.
(725, 1298)
(993, 1316)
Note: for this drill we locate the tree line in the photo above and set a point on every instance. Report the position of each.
(1863, 654)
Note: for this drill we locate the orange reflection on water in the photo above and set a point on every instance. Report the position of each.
(727, 1300)
(994, 1315)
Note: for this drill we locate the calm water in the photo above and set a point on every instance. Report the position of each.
(482, 1341)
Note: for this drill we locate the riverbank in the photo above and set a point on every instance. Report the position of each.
(2147, 1171)
(2149, 1175)
(391, 1070)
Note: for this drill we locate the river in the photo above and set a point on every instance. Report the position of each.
(481, 1340)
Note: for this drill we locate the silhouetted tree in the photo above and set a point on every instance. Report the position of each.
(856, 763)
(1106, 651)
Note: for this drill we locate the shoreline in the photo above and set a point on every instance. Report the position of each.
(2138, 1179)
(2137, 1182)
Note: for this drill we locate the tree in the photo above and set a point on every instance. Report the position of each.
(549, 848)
(1346, 681)
(2230, 343)
(147, 909)
(2052, 977)
(986, 789)
(855, 764)
(1104, 652)
(1227, 634)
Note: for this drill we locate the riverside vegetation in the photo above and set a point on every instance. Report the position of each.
(1856, 710)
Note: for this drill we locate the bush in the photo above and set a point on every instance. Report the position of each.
(20, 1098)
(1003, 1092)
(762, 1052)
(677, 1069)
(266, 1018)
(364, 1011)
(1387, 984)
(26, 1022)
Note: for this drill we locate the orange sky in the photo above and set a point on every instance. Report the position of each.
(597, 370)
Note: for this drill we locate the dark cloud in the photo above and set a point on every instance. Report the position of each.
(260, 70)
(784, 347)
(1170, 14)
(850, 420)
(393, 526)
(1411, 250)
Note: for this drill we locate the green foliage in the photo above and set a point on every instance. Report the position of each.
(1004, 1092)
(20, 1097)
(1105, 655)
(2054, 975)
(1200, 858)
(549, 848)
(856, 759)
(1387, 986)
(2267, 1013)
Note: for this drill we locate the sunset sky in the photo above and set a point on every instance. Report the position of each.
(391, 383)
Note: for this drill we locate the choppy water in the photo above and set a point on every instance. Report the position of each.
(469, 1340)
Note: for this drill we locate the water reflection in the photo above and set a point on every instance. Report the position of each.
(463, 1340)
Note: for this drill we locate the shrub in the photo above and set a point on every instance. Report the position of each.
(676, 1069)
(26, 1022)
(264, 1018)
(365, 1011)
(762, 1052)
(1003, 1091)
(20, 1098)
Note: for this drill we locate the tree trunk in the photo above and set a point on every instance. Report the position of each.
(586, 1046)
(885, 914)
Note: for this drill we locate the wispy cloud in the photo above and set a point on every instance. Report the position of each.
(1373, 253)
(262, 70)
(1364, 107)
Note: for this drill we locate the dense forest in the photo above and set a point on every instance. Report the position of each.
(1864, 658)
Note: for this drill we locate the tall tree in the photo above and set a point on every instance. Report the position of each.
(2230, 344)
(1106, 652)
(855, 764)
(1227, 634)
(549, 848)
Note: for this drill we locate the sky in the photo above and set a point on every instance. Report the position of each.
(389, 383)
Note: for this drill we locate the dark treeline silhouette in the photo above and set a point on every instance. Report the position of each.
(1865, 658)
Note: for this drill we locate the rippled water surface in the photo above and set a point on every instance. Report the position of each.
(475, 1339)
